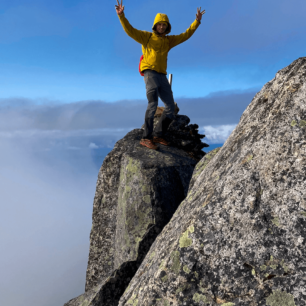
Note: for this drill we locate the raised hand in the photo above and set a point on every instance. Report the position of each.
(198, 14)
(119, 8)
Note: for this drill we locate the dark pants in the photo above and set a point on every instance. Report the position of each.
(157, 85)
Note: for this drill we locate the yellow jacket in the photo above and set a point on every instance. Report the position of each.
(155, 47)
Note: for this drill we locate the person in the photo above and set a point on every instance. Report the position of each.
(155, 48)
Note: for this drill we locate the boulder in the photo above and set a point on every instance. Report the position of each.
(239, 238)
(137, 192)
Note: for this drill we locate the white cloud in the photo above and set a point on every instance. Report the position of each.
(92, 145)
(217, 134)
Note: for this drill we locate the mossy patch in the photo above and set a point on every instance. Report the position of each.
(286, 268)
(133, 301)
(263, 268)
(189, 197)
(134, 208)
(176, 264)
(293, 123)
(302, 123)
(203, 290)
(186, 269)
(132, 167)
(303, 213)
(181, 289)
(166, 303)
(280, 298)
(145, 189)
(152, 255)
(164, 279)
(127, 289)
(162, 264)
(275, 221)
(85, 303)
(147, 199)
(199, 298)
(228, 304)
(185, 241)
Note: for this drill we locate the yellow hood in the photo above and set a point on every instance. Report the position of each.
(162, 18)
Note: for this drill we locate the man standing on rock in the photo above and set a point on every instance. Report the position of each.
(155, 48)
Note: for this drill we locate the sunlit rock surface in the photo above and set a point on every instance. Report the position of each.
(239, 238)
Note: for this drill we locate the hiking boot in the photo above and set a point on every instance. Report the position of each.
(161, 141)
(148, 143)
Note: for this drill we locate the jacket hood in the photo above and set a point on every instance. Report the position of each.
(161, 18)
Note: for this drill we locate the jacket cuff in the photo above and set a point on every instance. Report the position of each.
(120, 16)
(198, 21)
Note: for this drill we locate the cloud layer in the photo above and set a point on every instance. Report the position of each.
(45, 219)
(81, 123)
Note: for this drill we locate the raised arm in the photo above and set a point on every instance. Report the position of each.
(141, 37)
(175, 40)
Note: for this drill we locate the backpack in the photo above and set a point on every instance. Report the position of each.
(141, 73)
(141, 58)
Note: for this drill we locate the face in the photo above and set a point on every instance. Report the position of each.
(161, 27)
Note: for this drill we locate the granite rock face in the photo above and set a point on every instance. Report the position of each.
(239, 238)
(138, 190)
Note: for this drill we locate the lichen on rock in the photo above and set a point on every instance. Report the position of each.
(280, 298)
(185, 241)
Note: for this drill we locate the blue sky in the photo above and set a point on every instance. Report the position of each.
(76, 50)
(70, 88)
